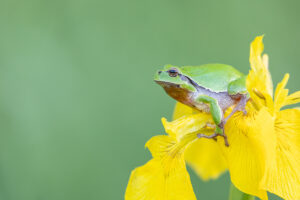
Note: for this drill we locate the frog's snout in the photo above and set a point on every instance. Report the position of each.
(157, 76)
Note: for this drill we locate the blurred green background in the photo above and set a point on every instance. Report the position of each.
(77, 98)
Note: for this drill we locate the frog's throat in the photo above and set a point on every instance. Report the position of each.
(176, 92)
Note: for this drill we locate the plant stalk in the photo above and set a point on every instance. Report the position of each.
(236, 194)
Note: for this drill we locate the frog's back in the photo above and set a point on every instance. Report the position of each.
(215, 77)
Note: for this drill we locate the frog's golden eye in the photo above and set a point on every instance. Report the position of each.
(173, 72)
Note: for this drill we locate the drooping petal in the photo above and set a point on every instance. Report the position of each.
(283, 175)
(165, 177)
(204, 156)
(149, 182)
(252, 144)
(259, 82)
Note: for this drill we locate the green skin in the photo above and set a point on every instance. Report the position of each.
(209, 88)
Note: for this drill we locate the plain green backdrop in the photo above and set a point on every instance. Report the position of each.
(77, 99)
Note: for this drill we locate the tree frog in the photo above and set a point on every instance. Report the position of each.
(210, 88)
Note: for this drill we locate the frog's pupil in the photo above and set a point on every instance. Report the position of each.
(173, 73)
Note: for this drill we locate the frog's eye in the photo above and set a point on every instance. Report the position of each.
(173, 72)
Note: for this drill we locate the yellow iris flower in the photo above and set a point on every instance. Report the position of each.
(264, 151)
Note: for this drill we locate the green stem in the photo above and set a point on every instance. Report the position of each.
(236, 194)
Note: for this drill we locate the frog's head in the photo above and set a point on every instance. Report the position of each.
(173, 81)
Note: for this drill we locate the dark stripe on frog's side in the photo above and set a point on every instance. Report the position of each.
(215, 77)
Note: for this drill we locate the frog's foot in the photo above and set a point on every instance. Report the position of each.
(214, 137)
(221, 127)
(225, 140)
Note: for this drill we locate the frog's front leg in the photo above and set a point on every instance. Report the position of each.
(217, 115)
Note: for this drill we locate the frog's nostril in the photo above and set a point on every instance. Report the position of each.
(159, 72)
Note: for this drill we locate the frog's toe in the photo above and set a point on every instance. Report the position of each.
(243, 109)
(226, 140)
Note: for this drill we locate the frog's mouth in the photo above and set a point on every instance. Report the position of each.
(167, 84)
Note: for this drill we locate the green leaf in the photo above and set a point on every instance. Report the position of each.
(236, 194)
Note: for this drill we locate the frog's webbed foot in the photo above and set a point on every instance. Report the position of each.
(216, 134)
(213, 136)
(221, 127)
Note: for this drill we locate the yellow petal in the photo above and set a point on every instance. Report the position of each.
(259, 82)
(206, 158)
(256, 49)
(165, 177)
(281, 93)
(187, 124)
(252, 144)
(260, 64)
(150, 182)
(283, 175)
(182, 110)
(293, 98)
